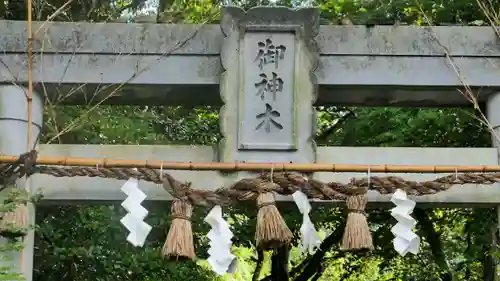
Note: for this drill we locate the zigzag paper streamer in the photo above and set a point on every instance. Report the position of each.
(405, 241)
(134, 219)
(309, 236)
(221, 259)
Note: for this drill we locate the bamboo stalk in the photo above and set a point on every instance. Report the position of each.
(29, 96)
(254, 167)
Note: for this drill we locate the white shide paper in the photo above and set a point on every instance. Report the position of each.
(220, 257)
(134, 219)
(309, 236)
(405, 241)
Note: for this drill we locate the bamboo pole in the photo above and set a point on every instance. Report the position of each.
(29, 95)
(253, 167)
(29, 98)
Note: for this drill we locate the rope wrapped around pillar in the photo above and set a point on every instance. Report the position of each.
(13, 224)
(272, 231)
(357, 233)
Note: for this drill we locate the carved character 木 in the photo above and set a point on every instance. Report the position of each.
(268, 119)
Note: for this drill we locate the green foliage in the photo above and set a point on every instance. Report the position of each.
(93, 247)
(10, 197)
(86, 243)
(412, 127)
(402, 11)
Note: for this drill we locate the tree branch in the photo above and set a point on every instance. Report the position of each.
(122, 9)
(434, 240)
(468, 250)
(316, 277)
(327, 132)
(311, 266)
(258, 267)
(313, 263)
(279, 264)
(487, 257)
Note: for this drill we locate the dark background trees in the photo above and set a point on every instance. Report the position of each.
(84, 243)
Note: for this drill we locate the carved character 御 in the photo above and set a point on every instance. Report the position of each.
(269, 54)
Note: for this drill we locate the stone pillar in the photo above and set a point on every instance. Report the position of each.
(13, 141)
(493, 116)
(268, 85)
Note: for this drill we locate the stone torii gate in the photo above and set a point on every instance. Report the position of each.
(267, 67)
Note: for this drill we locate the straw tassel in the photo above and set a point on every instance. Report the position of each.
(13, 224)
(357, 234)
(179, 243)
(272, 231)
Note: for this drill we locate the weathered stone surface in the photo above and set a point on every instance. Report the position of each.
(14, 141)
(268, 87)
(146, 38)
(383, 65)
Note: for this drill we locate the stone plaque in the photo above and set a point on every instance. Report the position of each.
(267, 113)
(268, 85)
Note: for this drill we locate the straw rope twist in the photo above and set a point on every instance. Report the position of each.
(285, 183)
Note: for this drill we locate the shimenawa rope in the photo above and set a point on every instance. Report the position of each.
(180, 244)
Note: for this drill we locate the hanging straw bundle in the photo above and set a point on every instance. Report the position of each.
(357, 234)
(179, 243)
(272, 230)
(13, 224)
